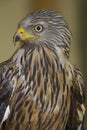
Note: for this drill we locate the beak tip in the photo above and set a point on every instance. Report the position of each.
(16, 38)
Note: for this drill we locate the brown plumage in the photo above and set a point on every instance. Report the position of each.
(46, 92)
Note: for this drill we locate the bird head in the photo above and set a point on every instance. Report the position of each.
(43, 27)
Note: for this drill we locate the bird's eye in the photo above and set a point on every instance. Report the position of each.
(38, 28)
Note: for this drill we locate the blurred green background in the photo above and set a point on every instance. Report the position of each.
(74, 12)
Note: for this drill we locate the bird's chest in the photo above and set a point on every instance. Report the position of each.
(42, 96)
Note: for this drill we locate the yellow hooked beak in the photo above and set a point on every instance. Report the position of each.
(22, 35)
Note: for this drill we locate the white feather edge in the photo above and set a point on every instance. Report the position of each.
(7, 112)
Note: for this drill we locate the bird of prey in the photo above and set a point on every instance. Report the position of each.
(39, 88)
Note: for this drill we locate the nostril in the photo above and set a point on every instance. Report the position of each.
(21, 32)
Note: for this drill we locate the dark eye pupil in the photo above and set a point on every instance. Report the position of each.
(38, 28)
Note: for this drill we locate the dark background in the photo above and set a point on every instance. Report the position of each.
(74, 12)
